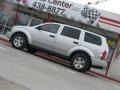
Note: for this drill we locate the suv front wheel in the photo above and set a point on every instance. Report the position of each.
(80, 62)
(19, 41)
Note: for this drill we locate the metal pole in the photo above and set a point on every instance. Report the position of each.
(5, 25)
(17, 13)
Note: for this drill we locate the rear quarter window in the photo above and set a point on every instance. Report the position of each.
(91, 38)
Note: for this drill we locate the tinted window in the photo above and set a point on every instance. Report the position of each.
(53, 28)
(92, 39)
(71, 32)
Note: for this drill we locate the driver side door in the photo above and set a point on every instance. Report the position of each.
(44, 36)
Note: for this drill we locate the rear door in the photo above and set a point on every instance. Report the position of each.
(67, 39)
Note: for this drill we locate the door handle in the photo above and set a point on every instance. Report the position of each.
(52, 36)
(75, 42)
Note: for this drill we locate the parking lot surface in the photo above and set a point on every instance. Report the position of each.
(36, 73)
(7, 85)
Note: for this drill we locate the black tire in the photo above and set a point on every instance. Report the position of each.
(31, 49)
(19, 41)
(80, 62)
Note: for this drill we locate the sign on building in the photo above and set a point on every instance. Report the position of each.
(80, 13)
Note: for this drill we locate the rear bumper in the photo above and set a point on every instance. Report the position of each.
(98, 62)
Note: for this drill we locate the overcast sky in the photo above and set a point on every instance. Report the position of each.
(109, 5)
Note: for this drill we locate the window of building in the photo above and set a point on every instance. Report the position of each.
(35, 21)
(71, 32)
(3, 18)
(23, 19)
(11, 20)
(53, 28)
(92, 39)
(3, 21)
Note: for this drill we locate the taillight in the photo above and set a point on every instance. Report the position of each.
(104, 55)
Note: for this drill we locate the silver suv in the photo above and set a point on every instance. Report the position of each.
(81, 47)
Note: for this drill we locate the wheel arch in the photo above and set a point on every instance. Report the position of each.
(79, 52)
(83, 49)
(25, 34)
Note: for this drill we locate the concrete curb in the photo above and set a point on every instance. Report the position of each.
(4, 38)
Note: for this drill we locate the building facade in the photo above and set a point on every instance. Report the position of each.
(33, 12)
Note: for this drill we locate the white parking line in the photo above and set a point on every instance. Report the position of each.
(54, 68)
(116, 88)
(2, 48)
(70, 71)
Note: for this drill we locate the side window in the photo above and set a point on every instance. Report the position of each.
(71, 32)
(53, 28)
(92, 39)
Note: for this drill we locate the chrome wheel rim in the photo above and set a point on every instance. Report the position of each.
(18, 41)
(79, 62)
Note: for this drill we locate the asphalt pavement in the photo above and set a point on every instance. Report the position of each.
(36, 73)
(8, 85)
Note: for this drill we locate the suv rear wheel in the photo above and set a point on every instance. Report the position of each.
(19, 41)
(80, 62)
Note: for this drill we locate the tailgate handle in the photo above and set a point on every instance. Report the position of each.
(75, 42)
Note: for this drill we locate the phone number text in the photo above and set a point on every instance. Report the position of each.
(49, 9)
